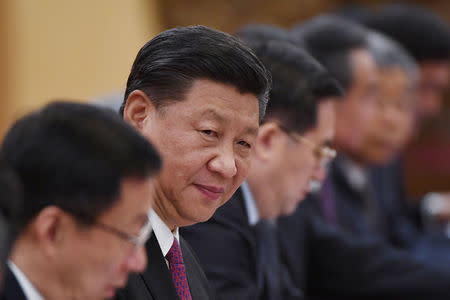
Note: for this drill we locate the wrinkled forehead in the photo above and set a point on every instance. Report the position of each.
(219, 103)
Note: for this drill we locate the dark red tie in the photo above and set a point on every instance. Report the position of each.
(178, 271)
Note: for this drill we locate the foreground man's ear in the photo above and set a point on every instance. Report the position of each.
(49, 227)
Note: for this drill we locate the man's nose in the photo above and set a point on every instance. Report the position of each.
(224, 162)
(319, 173)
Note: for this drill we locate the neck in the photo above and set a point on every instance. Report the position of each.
(29, 258)
(165, 210)
(262, 193)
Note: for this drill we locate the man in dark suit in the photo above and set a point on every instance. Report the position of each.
(87, 185)
(199, 95)
(416, 28)
(426, 36)
(361, 206)
(238, 246)
(350, 261)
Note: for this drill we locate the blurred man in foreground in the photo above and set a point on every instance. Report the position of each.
(87, 186)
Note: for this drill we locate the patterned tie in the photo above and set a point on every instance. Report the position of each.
(178, 271)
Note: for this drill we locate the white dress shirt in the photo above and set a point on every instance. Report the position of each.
(250, 204)
(163, 234)
(31, 293)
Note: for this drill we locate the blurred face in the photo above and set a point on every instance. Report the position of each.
(93, 262)
(358, 109)
(206, 142)
(434, 78)
(389, 132)
(298, 161)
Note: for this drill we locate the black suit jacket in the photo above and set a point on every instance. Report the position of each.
(227, 247)
(156, 282)
(11, 288)
(392, 223)
(401, 217)
(328, 263)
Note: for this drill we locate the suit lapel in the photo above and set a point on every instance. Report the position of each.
(198, 284)
(237, 218)
(157, 277)
(11, 287)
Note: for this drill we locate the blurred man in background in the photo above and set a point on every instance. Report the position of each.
(199, 94)
(350, 260)
(427, 38)
(87, 194)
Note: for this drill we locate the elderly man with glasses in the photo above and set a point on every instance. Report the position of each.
(87, 182)
(238, 247)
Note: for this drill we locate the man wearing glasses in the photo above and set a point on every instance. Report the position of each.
(87, 185)
(238, 246)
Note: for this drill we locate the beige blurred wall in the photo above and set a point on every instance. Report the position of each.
(68, 49)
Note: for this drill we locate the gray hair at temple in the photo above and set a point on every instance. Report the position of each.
(389, 54)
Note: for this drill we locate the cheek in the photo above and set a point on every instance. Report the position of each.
(243, 166)
(299, 168)
(181, 165)
(89, 267)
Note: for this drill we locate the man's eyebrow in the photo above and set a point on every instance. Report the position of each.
(251, 131)
(212, 114)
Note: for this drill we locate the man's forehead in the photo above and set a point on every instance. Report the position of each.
(213, 114)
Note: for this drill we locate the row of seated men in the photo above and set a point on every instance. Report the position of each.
(196, 195)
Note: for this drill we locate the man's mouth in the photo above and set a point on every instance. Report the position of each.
(212, 192)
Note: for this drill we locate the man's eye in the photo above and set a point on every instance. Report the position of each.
(245, 144)
(210, 133)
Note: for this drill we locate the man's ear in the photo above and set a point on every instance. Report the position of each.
(267, 141)
(48, 228)
(138, 108)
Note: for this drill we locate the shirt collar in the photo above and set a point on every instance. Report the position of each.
(250, 204)
(162, 232)
(355, 174)
(31, 293)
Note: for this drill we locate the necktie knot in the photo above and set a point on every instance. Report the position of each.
(174, 256)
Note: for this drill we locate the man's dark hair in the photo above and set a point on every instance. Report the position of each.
(425, 35)
(331, 39)
(299, 83)
(256, 35)
(10, 208)
(167, 65)
(74, 156)
(389, 54)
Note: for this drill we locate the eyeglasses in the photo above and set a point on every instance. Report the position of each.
(137, 240)
(324, 154)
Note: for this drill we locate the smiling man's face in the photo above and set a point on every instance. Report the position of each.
(206, 142)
